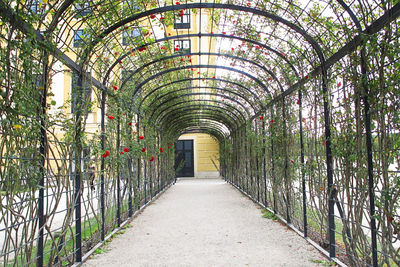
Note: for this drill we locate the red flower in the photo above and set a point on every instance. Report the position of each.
(130, 124)
(152, 158)
(292, 161)
(223, 32)
(298, 101)
(306, 77)
(111, 117)
(177, 3)
(213, 77)
(121, 153)
(272, 121)
(176, 49)
(162, 47)
(162, 18)
(261, 118)
(126, 149)
(115, 87)
(143, 149)
(339, 84)
(161, 150)
(303, 119)
(106, 154)
(169, 146)
(141, 137)
(152, 16)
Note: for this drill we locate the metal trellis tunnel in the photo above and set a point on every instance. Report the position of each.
(302, 96)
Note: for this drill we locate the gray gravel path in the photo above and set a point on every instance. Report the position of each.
(206, 222)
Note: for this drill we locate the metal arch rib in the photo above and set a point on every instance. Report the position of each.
(197, 66)
(199, 78)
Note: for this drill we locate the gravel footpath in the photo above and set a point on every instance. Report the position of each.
(206, 222)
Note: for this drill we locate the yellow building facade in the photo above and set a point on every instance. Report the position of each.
(205, 155)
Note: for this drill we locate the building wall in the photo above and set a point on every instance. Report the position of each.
(206, 155)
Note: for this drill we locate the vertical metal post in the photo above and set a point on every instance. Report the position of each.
(78, 222)
(118, 144)
(286, 170)
(77, 172)
(138, 164)
(43, 154)
(130, 206)
(264, 164)
(246, 159)
(368, 136)
(158, 165)
(145, 173)
(368, 139)
(232, 157)
(130, 178)
(273, 167)
(303, 178)
(151, 181)
(102, 166)
(257, 165)
(329, 163)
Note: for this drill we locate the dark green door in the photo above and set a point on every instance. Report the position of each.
(184, 161)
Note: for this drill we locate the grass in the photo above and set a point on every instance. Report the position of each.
(269, 215)
(89, 229)
(324, 263)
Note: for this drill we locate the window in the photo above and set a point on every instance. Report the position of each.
(182, 46)
(82, 10)
(182, 21)
(75, 86)
(130, 36)
(35, 6)
(78, 38)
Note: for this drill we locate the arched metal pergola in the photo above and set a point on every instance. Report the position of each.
(302, 97)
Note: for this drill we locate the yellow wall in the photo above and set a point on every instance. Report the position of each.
(206, 150)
